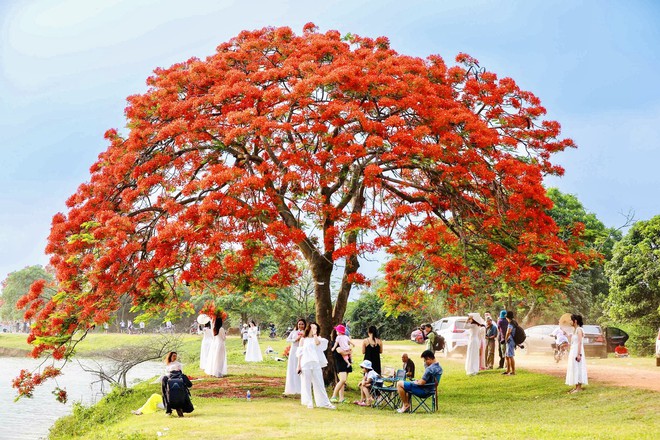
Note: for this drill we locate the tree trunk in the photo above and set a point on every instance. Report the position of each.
(322, 272)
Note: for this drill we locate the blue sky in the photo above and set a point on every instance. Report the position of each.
(67, 66)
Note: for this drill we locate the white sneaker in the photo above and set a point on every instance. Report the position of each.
(330, 406)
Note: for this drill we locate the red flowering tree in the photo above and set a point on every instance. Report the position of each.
(281, 146)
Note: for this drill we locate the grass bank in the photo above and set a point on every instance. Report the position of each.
(527, 406)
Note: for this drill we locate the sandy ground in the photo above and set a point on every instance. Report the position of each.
(626, 372)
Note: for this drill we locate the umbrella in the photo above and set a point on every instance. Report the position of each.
(203, 319)
(477, 318)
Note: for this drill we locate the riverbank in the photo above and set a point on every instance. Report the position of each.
(528, 405)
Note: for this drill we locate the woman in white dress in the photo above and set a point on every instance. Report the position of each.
(473, 324)
(311, 359)
(207, 340)
(253, 352)
(576, 370)
(482, 348)
(657, 349)
(292, 385)
(216, 364)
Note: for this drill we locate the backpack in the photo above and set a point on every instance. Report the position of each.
(176, 392)
(519, 336)
(439, 342)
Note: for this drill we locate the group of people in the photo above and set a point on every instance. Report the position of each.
(483, 336)
(307, 359)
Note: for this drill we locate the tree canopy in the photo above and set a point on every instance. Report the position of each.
(587, 288)
(16, 285)
(313, 146)
(634, 275)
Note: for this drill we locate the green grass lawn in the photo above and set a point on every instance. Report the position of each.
(526, 406)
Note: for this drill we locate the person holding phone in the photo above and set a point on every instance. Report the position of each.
(576, 371)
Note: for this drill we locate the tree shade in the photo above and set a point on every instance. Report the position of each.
(281, 146)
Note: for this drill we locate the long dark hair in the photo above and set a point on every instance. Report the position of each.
(168, 358)
(217, 325)
(578, 319)
(308, 329)
(373, 330)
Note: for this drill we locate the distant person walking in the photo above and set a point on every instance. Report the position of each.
(502, 325)
(576, 370)
(372, 347)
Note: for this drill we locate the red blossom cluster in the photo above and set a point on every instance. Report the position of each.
(27, 381)
(60, 395)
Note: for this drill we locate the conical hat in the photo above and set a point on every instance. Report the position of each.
(566, 323)
(477, 318)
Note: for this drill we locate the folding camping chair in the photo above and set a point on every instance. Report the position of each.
(417, 402)
(386, 396)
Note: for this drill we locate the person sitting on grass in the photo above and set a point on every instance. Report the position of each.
(156, 401)
(370, 376)
(431, 375)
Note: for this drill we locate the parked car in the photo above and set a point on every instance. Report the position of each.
(615, 337)
(596, 343)
(452, 328)
(539, 339)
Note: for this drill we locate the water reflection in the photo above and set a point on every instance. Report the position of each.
(31, 418)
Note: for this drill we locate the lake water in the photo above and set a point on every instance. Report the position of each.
(32, 418)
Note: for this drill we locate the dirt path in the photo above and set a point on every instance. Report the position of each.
(612, 371)
(625, 372)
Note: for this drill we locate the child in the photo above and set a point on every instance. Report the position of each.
(561, 338)
(370, 376)
(343, 344)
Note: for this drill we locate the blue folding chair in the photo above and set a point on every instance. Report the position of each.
(422, 402)
(386, 396)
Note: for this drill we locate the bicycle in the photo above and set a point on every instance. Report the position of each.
(559, 351)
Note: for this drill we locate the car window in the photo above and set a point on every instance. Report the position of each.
(443, 325)
(613, 331)
(592, 329)
(460, 323)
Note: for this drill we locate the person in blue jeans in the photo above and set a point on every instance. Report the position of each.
(431, 375)
(510, 345)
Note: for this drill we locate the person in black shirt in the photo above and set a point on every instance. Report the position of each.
(408, 365)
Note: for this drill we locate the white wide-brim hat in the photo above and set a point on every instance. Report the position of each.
(477, 318)
(203, 319)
